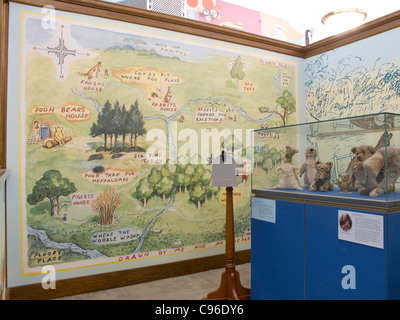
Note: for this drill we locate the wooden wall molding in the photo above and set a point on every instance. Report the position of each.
(124, 278)
(3, 80)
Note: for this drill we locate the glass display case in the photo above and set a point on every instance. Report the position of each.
(351, 160)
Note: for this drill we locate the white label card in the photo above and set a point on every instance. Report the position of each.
(362, 228)
(263, 209)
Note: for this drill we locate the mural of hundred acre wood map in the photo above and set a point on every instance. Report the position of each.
(119, 128)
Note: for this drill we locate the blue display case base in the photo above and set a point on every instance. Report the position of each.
(299, 251)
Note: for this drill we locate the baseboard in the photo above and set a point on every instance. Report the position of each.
(118, 279)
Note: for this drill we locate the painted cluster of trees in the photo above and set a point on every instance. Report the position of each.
(162, 181)
(267, 158)
(118, 121)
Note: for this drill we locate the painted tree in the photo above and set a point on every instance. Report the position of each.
(51, 185)
(186, 182)
(189, 172)
(116, 121)
(237, 72)
(267, 165)
(136, 123)
(198, 195)
(102, 125)
(144, 190)
(206, 177)
(154, 177)
(105, 205)
(165, 187)
(258, 159)
(275, 156)
(123, 123)
(197, 176)
(179, 180)
(287, 102)
(215, 191)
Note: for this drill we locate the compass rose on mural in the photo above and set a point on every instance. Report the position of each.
(61, 52)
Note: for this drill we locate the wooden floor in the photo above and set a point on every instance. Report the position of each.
(190, 287)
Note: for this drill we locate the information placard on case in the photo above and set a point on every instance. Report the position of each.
(361, 228)
(263, 209)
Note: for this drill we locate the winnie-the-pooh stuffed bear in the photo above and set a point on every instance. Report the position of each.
(322, 180)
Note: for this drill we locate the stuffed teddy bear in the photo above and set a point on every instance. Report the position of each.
(383, 141)
(322, 180)
(372, 175)
(308, 168)
(361, 153)
(344, 182)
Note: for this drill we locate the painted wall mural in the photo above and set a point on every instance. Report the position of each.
(118, 128)
(359, 79)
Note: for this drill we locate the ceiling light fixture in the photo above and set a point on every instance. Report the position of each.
(344, 19)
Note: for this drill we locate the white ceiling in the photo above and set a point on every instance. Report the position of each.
(307, 14)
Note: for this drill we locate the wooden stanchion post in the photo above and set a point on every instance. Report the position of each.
(230, 287)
